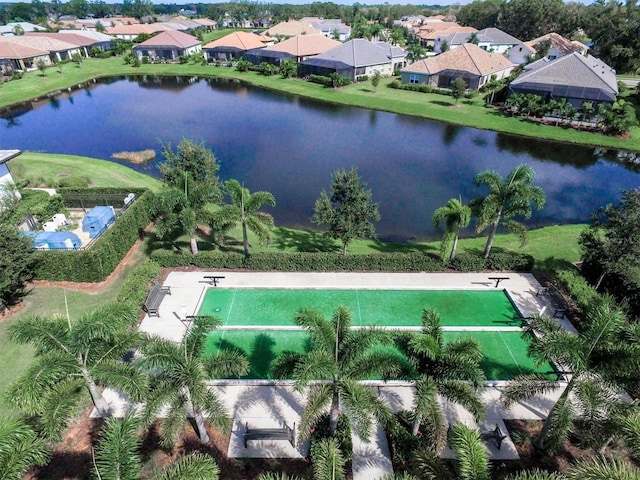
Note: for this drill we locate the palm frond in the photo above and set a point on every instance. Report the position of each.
(314, 365)
(122, 376)
(173, 422)
(473, 459)
(20, 449)
(116, 454)
(277, 476)
(363, 405)
(463, 394)
(328, 461)
(430, 466)
(284, 365)
(525, 386)
(630, 429)
(30, 390)
(321, 333)
(226, 363)
(47, 335)
(214, 409)
(536, 475)
(60, 405)
(195, 466)
(559, 423)
(599, 468)
(318, 398)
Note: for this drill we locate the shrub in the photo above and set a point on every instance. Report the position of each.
(321, 79)
(402, 444)
(395, 84)
(145, 59)
(578, 287)
(362, 78)
(136, 287)
(74, 181)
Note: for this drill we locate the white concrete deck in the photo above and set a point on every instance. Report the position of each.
(265, 404)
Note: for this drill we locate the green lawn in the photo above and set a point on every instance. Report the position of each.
(433, 106)
(47, 301)
(47, 169)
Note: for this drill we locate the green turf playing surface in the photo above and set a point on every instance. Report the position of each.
(255, 307)
(505, 353)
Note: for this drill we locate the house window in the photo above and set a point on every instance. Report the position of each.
(413, 78)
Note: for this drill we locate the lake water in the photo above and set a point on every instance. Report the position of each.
(290, 146)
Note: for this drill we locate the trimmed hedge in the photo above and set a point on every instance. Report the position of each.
(325, 261)
(96, 263)
(92, 197)
(136, 287)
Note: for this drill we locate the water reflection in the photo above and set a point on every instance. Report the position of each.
(290, 146)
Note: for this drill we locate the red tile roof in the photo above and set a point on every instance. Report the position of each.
(171, 38)
(468, 58)
(239, 40)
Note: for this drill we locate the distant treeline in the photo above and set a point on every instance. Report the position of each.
(610, 27)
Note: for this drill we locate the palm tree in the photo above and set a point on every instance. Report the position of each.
(20, 449)
(598, 360)
(456, 215)
(117, 453)
(180, 373)
(277, 476)
(180, 210)
(507, 198)
(75, 357)
(244, 210)
(338, 358)
(451, 370)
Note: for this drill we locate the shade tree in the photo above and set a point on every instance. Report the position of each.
(348, 211)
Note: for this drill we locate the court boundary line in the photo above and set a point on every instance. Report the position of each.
(510, 352)
(407, 328)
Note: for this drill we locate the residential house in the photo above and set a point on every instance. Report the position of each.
(83, 42)
(329, 27)
(100, 40)
(353, 59)
(292, 28)
(429, 32)
(15, 57)
(6, 180)
(57, 48)
(575, 77)
(131, 32)
(490, 39)
(235, 45)
(21, 27)
(298, 48)
(168, 46)
(469, 62)
(556, 46)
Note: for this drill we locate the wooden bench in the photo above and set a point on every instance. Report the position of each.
(213, 279)
(283, 433)
(495, 435)
(498, 280)
(154, 299)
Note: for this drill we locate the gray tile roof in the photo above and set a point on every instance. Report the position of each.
(572, 70)
(498, 37)
(354, 53)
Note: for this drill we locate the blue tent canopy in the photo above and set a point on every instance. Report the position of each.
(55, 240)
(97, 219)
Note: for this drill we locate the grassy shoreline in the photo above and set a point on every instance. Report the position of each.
(469, 113)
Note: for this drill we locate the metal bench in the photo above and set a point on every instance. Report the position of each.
(213, 279)
(498, 280)
(283, 433)
(154, 299)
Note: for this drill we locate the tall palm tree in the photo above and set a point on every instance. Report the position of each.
(244, 210)
(456, 215)
(73, 358)
(451, 370)
(598, 360)
(181, 210)
(179, 376)
(20, 449)
(338, 358)
(507, 198)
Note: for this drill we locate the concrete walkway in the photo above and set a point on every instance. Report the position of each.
(266, 404)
